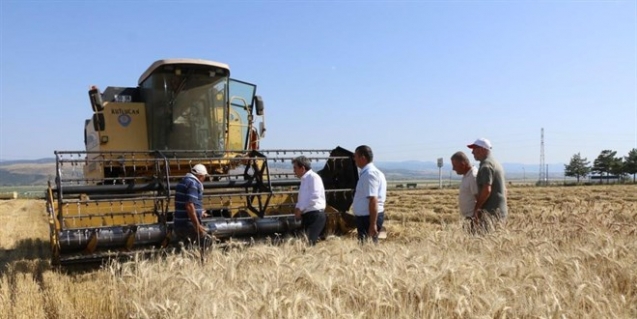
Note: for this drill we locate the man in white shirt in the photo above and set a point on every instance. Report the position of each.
(468, 186)
(310, 208)
(370, 195)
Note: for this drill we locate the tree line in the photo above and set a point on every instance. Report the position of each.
(607, 164)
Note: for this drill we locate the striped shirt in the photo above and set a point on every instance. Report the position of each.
(189, 190)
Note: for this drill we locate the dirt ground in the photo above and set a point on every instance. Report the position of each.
(25, 231)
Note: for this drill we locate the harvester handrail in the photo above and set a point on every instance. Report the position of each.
(277, 151)
(153, 186)
(100, 200)
(299, 150)
(164, 188)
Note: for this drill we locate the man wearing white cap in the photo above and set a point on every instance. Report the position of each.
(491, 184)
(189, 206)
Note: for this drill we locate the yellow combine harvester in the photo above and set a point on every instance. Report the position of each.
(116, 198)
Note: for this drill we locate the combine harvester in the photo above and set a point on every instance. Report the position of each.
(116, 198)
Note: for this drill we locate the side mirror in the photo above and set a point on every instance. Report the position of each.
(86, 122)
(96, 99)
(261, 129)
(258, 103)
(98, 122)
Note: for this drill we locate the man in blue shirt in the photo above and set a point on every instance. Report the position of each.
(370, 195)
(189, 207)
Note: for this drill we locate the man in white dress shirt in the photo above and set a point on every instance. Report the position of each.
(310, 208)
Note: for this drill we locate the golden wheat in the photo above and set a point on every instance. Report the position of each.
(564, 253)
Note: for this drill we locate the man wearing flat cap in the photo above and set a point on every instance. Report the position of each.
(491, 184)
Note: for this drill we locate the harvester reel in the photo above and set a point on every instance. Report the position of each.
(92, 218)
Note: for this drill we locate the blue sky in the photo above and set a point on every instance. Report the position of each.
(415, 80)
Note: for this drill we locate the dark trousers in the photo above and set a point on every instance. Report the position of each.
(313, 224)
(487, 222)
(190, 237)
(362, 226)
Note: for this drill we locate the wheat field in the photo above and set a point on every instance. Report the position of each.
(565, 252)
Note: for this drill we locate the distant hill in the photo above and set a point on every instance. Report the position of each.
(37, 161)
(10, 179)
(26, 172)
(408, 165)
(422, 170)
(38, 172)
(432, 167)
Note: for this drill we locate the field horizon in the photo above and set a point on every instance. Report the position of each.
(29, 173)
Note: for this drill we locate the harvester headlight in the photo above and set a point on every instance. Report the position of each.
(104, 139)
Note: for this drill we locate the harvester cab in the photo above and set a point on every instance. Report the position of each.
(116, 197)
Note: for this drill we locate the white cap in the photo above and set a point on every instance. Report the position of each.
(481, 142)
(199, 169)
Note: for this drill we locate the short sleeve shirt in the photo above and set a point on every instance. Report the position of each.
(492, 173)
(371, 183)
(189, 190)
(468, 192)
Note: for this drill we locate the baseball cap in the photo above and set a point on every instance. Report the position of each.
(199, 169)
(481, 142)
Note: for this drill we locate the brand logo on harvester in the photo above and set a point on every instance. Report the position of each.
(91, 141)
(125, 111)
(124, 120)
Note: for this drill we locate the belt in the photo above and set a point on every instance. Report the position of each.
(313, 211)
(383, 212)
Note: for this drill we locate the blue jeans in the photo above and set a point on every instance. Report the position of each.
(362, 226)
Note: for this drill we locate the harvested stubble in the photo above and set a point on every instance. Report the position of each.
(564, 253)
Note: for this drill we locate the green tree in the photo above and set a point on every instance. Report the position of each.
(630, 163)
(578, 167)
(617, 167)
(604, 163)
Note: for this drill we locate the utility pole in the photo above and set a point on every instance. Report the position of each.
(543, 176)
(440, 173)
(524, 174)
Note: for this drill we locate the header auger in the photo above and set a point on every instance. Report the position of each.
(116, 198)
